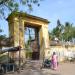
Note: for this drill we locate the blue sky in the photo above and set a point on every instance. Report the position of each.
(64, 10)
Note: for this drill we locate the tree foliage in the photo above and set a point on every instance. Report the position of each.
(58, 30)
(2, 37)
(69, 32)
(64, 32)
(13, 5)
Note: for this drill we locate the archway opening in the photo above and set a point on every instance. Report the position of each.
(32, 44)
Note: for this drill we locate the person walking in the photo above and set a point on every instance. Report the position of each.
(54, 61)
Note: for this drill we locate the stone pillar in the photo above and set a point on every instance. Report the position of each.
(41, 40)
(44, 41)
(14, 32)
(16, 29)
(21, 38)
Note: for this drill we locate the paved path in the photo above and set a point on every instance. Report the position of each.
(33, 68)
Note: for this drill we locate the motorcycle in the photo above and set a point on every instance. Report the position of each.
(46, 63)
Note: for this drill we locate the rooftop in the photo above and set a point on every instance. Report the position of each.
(22, 14)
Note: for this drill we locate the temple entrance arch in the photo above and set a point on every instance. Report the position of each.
(17, 23)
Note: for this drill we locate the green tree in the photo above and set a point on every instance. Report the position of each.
(51, 37)
(68, 33)
(4, 41)
(2, 37)
(13, 5)
(64, 32)
(57, 31)
(73, 32)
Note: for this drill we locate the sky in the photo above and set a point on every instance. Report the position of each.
(52, 10)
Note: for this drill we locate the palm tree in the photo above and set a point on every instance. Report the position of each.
(57, 31)
(68, 31)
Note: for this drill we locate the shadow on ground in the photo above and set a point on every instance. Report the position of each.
(54, 74)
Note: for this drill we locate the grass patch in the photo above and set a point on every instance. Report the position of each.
(28, 54)
(3, 58)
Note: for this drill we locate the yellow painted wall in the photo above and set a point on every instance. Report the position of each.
(17, 22)
(61, 51)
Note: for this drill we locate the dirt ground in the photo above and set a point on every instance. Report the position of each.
(33, 69)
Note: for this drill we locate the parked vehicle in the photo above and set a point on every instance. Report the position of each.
(46, 63)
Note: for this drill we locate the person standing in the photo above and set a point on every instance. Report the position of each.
(54, 61)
